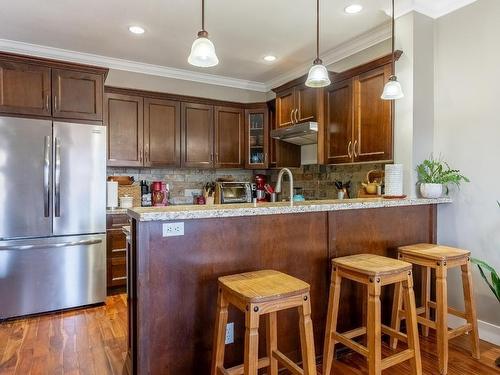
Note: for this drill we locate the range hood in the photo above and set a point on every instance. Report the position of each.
(305, 133)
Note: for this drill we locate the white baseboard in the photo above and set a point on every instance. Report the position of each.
(487, 331)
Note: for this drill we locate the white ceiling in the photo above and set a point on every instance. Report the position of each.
(243, 32)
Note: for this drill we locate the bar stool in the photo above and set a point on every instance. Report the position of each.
(263, 293)
(440, 258)
(373, 271)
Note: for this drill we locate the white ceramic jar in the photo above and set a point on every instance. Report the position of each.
(126, 201)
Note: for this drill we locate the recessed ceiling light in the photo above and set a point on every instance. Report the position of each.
(270, 58)
(353, 9)
(136, 30)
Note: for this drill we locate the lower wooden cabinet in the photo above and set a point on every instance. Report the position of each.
(116, 251)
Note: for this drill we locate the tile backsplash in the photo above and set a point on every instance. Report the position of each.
(316, 181)
(182, 182)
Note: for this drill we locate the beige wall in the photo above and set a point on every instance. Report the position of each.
(121, 78)
(371, 53)
(467, 134)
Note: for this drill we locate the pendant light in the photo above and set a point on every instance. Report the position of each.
(203, 50)
(392, 89)
(318, 75)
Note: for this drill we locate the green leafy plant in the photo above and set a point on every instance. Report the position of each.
(493, 281)
(434, 171)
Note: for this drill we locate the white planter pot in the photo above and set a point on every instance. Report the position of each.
(431, 190)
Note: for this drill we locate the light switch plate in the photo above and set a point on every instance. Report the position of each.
(173, 229)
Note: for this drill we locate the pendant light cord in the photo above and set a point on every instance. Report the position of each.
(203, 16)
(393, 24)
(317, 29)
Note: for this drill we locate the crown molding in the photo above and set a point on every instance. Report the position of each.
(358, 44)
(431, 8)
(127, 65)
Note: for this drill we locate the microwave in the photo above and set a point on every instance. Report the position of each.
(233, 192)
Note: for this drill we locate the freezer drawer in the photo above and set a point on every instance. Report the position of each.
(46, 274)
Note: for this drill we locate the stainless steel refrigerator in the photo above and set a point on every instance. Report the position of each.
(52, 215)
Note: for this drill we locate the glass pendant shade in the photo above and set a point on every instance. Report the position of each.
(318, 75)
(203, 52)
(392, 89)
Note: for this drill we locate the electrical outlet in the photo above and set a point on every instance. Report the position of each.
(173, 229)
(229, 333)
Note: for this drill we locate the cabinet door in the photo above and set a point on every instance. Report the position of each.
(124, 119)
(306, 103)
(24, 89)
(162, 133)
(197, 135)
(257, 138)
(229, 138)
(285, 108)
(116, 258)
(338, 117)
(77, 95)
(281, 154)
(372, 117)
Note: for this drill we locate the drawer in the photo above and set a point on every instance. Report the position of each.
(116, 245)
(117, 272)
(116, 221)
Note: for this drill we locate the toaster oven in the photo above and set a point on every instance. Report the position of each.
(233, 192)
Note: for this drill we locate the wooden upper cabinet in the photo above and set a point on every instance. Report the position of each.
(296, 104)
(77, 95)
(285, 107)
(281, 154)
(306, 103)
(338, 108)
(372, 140)
(197, 135)
(24, 89)
(162, 133)
(124, 119)
(229, 137)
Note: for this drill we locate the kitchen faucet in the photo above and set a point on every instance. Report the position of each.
(280, 177)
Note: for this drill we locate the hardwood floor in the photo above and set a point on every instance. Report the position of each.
(86, 341)
(94, 341)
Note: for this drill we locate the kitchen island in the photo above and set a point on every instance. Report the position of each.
(172, 272)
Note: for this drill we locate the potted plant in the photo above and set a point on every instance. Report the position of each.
(434, 175)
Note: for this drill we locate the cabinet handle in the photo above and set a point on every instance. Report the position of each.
(47, 98)
(349, 153)
(146, 156)
(265, 158)
(55, 103)
(296, 113)
(354, 148)
(140, 157)
(291, 116)
(211, 157)
(217, 157)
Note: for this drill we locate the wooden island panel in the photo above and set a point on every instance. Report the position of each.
(173, 280)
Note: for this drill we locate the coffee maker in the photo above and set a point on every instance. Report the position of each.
(159, 193)
(260, 191)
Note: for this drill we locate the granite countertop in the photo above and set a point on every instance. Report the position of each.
(251, 209)
(116, 211)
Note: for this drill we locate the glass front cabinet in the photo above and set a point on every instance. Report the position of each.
(257, 138)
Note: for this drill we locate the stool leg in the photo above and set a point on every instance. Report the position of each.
(411, 324)
(251, 355)
(220, 334)
(426, 297)
(373, 330)
(272, 342)
(307, 337)
(397, 304)
(442, 318)
(331, 322)
(470, 308)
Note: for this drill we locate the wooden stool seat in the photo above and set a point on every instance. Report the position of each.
(372, 265)
(434, 252)
(266, 285)
(263, 293)
(373, 271)
(439, 258)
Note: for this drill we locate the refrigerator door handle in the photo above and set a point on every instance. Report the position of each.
(42, 246)
(46, 177)
(57, 179)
